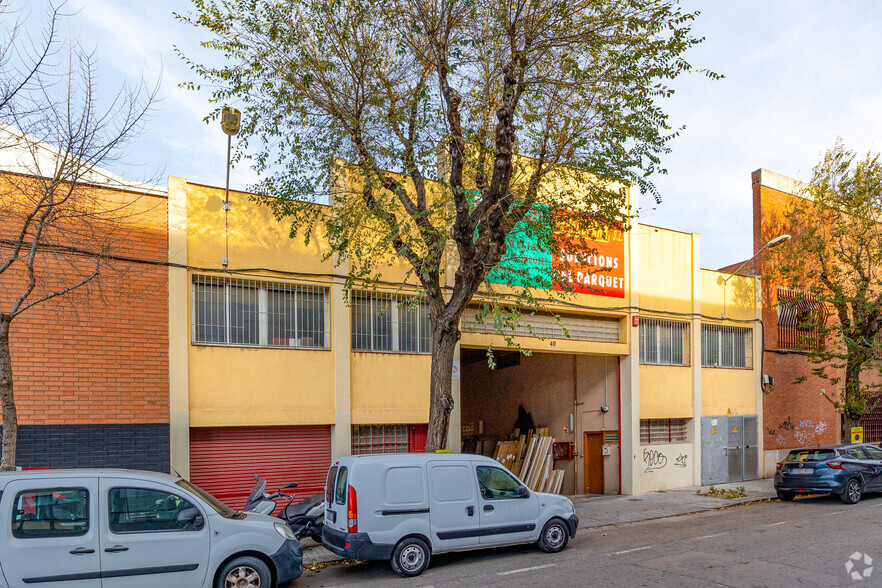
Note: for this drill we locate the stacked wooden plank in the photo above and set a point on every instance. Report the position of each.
(529, 456)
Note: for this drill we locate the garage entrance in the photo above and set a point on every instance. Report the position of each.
(574, 395)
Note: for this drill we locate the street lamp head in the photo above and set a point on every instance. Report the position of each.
(230, 120)
(777, 241)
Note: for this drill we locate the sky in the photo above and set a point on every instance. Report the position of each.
(798, 75)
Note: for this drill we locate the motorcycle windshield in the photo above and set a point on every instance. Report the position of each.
(257, 492)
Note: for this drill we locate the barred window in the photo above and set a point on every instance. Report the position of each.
(664, 342)
(266, 314)
(657, 431)
(371, 439)
(801, 319)
(723, 346)
(389, 322)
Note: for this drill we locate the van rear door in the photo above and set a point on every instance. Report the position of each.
(335, 497)
(453, 492)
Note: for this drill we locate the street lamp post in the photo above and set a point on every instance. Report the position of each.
(770, 245)
(230, 120)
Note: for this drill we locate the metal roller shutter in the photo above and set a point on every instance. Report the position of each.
(223, 460)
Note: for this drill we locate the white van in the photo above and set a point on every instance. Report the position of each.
(404, 507)
(130, 529)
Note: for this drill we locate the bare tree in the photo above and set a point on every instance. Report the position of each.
(58, 231)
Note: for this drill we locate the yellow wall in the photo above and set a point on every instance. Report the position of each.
(725, 389)
(665, 259)
(740, 296)
(256, 239)
(665, 392)
(486, 340)
(237, 386)
(389, 388)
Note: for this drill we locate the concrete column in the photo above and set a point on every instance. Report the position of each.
(629, 435)
(758, 345)
(341, 343)
(178, 328)
(454, 432)
(694, 431)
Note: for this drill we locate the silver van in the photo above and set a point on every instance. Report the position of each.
(405, 507)
(131, 529)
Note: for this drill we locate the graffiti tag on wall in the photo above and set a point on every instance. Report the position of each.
(654, 460)
(805, 433)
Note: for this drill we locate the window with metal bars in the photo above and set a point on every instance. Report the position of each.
(800, 320)
(227, 311)
(546, 326)
(658, 431)
(390, 322)
(724, 346)
(664, 342)
(372, 439)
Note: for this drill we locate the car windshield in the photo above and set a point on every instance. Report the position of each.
(221, 508)
(810, 455)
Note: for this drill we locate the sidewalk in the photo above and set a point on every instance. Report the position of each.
(600, 511)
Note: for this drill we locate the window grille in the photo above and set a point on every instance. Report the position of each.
(227, 311)
(545, 325)
(657, 431)
(664, 342)
(389, 322)
(725, 346)
(800, 320)
(371, 439)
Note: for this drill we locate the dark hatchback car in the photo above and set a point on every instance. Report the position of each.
(848, 471)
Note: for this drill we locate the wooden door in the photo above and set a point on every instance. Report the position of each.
(593, 463)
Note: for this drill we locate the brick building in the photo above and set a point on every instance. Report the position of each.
(795, 415)
(91, 367)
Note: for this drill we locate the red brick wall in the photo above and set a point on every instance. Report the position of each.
(100, 356)
(794, 415)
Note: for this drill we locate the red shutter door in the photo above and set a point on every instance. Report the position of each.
(223, 460)
(417, 436)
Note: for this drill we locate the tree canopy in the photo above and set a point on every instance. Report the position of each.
(438, 126)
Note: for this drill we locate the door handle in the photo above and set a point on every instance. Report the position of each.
(488, 507)
(116, 548)
(470, 510)
(82, 551)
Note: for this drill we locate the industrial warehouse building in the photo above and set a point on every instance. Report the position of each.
(273, 371)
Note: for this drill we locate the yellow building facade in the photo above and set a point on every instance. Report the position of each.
(275, 369)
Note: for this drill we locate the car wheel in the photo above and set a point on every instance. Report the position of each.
(785, 496)
(244, 572)
(554, 537)
(852, 492)
(410, 558)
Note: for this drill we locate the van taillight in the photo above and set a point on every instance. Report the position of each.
(778, 467)
(352, 510)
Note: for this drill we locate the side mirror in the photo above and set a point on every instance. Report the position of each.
(523, 492)
(190, 517)
(291, 485)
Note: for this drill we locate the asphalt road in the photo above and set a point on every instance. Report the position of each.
(803, 543)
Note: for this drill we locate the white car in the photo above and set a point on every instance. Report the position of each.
(132, 529)
(405, 507)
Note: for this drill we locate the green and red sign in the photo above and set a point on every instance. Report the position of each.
(585, 262)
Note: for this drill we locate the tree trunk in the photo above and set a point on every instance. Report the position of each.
(854, 405)
(444, 339)
(7, 400)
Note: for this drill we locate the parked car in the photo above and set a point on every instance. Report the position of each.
(405, 507)
(131, 529)
(845, 470)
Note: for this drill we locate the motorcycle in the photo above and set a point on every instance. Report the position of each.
(306, 518)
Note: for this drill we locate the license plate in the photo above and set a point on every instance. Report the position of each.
(331, 514)
(803, 472)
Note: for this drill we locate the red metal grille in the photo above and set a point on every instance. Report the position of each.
(223, 460)
(872, 424)
(800, 320)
